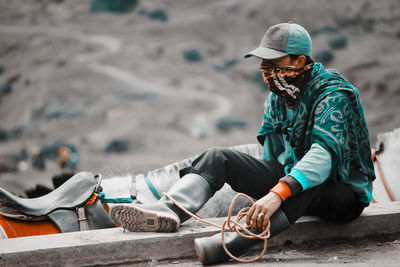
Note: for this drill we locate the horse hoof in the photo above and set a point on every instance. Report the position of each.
(136, 219)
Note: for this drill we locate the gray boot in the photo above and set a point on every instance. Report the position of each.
(191, 191)
(210, 249)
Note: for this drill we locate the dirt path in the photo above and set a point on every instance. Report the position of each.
(111, 46)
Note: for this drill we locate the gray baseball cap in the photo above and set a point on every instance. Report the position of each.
(281, 40)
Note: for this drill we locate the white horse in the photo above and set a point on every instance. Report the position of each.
(388, 147)
(387, 182)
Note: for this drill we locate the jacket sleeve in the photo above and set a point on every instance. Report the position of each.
(314, 168)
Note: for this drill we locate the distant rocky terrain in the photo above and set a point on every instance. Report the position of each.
(134, 91)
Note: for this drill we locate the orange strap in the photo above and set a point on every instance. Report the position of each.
(282, 189)
(92, 199)
(380, 171)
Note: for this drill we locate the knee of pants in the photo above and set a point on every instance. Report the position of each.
(216, 150)
(212, 165)
(218, 155)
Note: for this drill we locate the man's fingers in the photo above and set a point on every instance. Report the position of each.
(266, 206)
(254, 219)
(250, 214)
(265, 223)
(260, 219)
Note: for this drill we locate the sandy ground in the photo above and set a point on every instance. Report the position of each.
(88, 78)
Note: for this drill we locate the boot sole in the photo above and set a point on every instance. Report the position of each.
(135, 219)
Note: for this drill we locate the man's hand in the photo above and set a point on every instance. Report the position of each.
(267, 205)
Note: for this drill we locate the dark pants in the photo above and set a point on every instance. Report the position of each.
(332, 201)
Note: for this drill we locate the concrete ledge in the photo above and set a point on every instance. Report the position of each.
(116, 246)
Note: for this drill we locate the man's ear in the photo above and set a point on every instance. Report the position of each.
(300, 61)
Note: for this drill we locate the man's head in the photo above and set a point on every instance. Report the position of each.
(285, 52)
(282, 40)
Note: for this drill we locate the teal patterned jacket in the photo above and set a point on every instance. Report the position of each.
(329, 113)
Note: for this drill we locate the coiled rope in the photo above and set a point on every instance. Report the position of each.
(231, 225)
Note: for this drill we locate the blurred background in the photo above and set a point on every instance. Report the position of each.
(127, 86)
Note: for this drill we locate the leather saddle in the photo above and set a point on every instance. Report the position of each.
(65, 206)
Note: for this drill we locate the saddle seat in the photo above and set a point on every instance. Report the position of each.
(73, 193)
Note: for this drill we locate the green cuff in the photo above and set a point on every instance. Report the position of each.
(301, 178)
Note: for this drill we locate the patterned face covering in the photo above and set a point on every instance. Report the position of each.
(285, 81)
